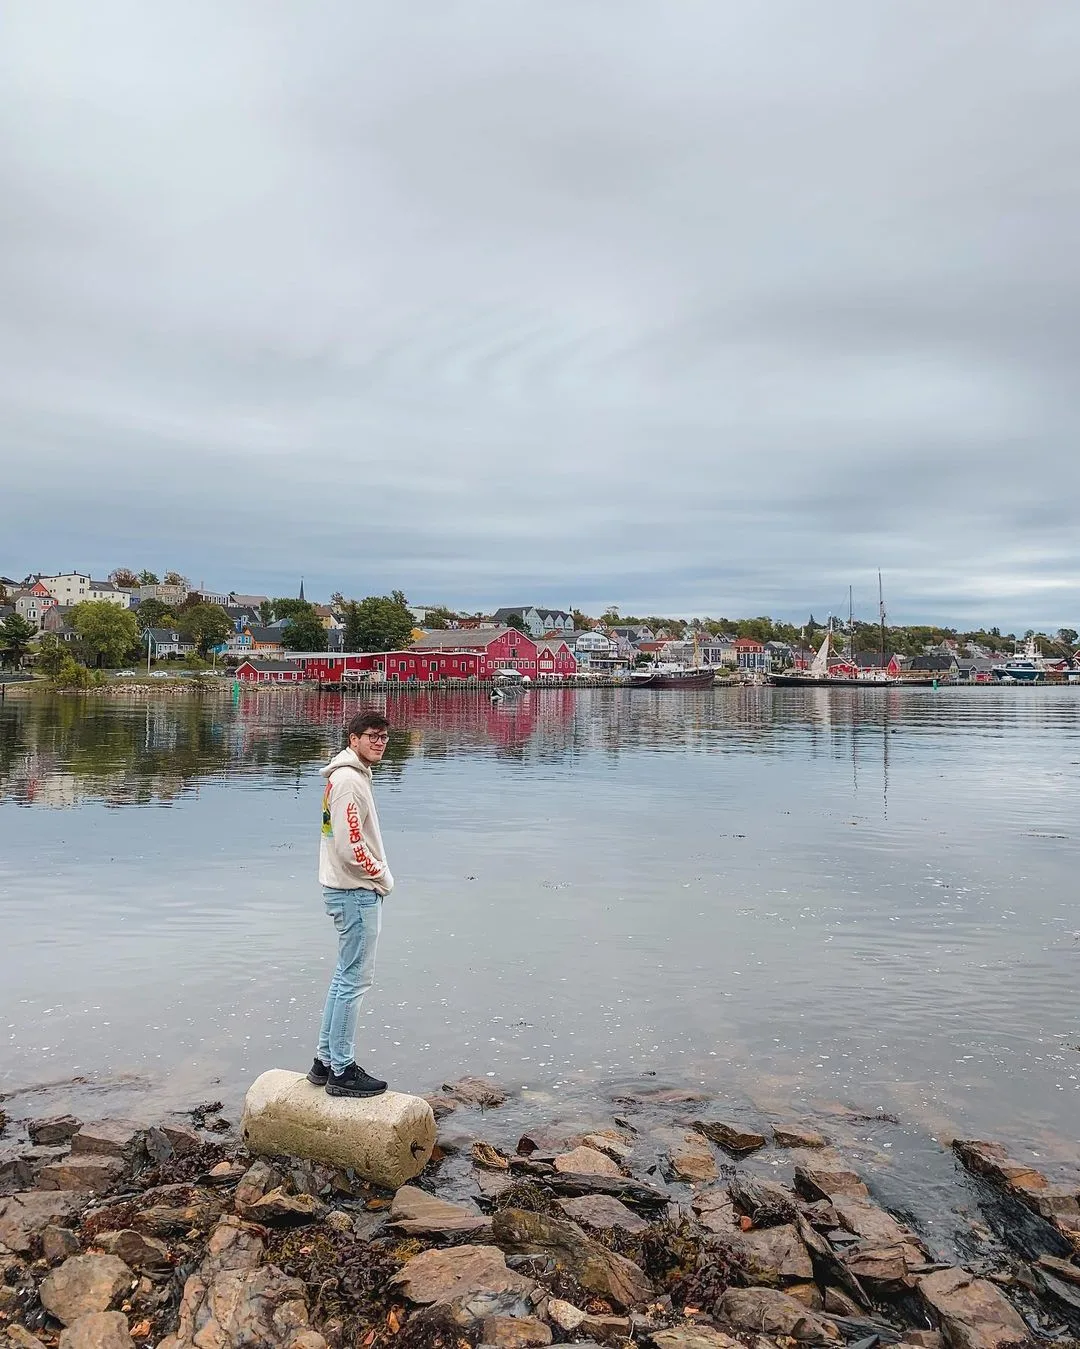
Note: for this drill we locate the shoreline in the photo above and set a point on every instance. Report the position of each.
(734, 1225)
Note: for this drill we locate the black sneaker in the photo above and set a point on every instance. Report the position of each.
(318, 1073)
(353, 1081)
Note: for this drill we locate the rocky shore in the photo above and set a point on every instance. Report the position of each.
(655, 1225)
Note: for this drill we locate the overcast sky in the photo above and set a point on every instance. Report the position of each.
(699, 307)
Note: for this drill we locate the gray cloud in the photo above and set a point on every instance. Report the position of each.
(711, 308)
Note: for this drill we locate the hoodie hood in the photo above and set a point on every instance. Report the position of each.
(346, 758)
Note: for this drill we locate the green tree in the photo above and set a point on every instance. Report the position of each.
(353, 634)
(1067, 636)
(110, 632)
(16, 634)
(610, 617)
(305, 632)
(70, 674)
(382, 623)
(51, 655)
(206, 625)
(148, 578)
(154, 614)
(439, 617)
(516, 622)
(288, 608)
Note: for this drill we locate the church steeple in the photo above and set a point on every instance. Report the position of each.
(301, 587)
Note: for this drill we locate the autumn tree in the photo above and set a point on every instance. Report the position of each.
(125, 578)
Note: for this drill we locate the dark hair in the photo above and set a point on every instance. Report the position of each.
(366, 721)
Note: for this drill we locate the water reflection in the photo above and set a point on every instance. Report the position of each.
(860, 896)
(59, 751)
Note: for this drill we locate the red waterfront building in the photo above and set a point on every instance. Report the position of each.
(477, 653)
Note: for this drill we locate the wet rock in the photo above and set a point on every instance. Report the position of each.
(108, 1138)
(615, 1145)
(691, 1157)
(145, 1255)
(602, 1211)
(993, 1160)
(733, 1138)
(827, 1179)
(515, 1332)
(85, 1283)
(476, 1091)
(57, 1243)
(773, 1255)
(56, 1129)
(492, 1183)
(89, 1173)
(457, 1272)
(597, 1269)
(972, 1312)
(473, 1308)
(693, 1337)
(716, 1210)
(1063, 1269)
(797, 1136)
(25, 1216)
(279, 1209)
(441, 1106)
(418, 1213)
(386, 1139)
(634, 1192)
(766, 1311)
(98, 1330)
(585, 1161)
(244, 1307)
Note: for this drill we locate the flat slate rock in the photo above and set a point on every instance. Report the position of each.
(733, 1138)
(595, 1268)
(55, 1129)
(91, 1173)
(691, 1156)
(586, 1161)
(798, 1136)
(107, 1138)
(419, 1214)
(25, 1216)
(602, 1211)
(457, 1272)
(973, 1313)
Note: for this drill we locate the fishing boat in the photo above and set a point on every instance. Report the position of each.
(1028, 667)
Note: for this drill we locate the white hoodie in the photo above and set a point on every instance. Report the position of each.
(351, 853)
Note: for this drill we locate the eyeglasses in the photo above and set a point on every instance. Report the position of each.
(377, 737)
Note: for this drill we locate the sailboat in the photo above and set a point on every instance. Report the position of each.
(819, 675)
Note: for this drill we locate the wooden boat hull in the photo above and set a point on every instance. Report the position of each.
(692, 679)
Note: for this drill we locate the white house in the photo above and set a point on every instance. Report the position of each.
(73, 587)
(535, 621)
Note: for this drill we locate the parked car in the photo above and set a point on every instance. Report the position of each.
(125, 674)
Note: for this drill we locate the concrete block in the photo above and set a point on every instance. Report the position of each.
(386, 1139)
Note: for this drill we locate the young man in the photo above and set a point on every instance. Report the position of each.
(355, 880)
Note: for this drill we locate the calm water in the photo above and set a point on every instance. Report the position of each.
(865, 898)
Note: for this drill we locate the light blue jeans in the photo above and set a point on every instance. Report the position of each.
(357, 915)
